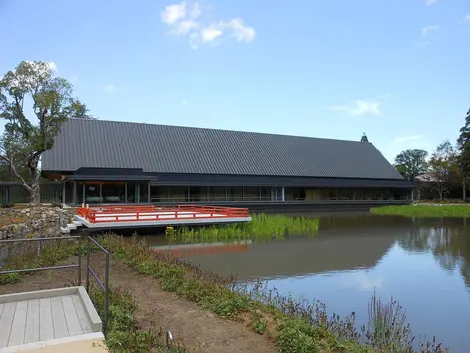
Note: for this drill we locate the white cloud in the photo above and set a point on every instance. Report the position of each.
(184, 20)
(404, 139)
(173, 13)
(363, 106)
(110, 88)
(210, 33)
(426, 30)
(182, 28)
(430, 2)
(241, 32)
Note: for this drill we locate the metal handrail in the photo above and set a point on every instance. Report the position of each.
(62, 267)
(104, 287)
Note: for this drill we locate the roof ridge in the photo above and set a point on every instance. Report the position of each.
(213, 129)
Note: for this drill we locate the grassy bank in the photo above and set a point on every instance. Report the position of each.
(261, 227)
(26, 257)
(424, 210)
(295, 326)
(123, 333)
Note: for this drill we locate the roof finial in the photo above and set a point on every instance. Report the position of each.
(364, 137)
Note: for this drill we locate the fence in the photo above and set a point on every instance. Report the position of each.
(104, 287)
(62, 267)
(14, 192)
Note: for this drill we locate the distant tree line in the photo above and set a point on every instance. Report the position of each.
(445, 169)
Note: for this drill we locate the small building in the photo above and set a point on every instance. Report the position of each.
(110, 162)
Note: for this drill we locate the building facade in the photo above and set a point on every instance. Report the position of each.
(106, 162)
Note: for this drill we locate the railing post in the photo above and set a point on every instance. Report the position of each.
(106, 294)
(88, 263)
(80, 261)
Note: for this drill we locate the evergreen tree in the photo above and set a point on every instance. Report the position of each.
(463, 144)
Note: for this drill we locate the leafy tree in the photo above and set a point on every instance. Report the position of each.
(24, 140)
(442, 166)
(411, 163)
(463, 145)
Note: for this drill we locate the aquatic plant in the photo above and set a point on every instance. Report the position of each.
(424, 210)
(262, 227)
(296, 325)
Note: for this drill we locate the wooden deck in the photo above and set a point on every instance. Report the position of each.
(48, 317)
(151, 216)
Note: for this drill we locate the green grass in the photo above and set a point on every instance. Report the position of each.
(262, 227)
(424, 210)
(25, 257)
(123, 334)
(295, 326)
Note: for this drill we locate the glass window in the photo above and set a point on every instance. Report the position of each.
(80, 186)
(144, 192)
(266, 193)
(217, 193)
(92, 192)
(68, 190)
(235, 193)
(197, 193)
(131, 192)
(251, 193)
(114, 192)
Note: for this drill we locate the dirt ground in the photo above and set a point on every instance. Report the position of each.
(199, 330)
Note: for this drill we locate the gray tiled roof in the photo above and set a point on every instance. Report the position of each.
(175, 149)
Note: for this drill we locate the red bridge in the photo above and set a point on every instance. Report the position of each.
(151, 216)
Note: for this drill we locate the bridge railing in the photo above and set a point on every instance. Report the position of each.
(152, 213)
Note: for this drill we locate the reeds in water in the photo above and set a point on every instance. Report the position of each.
(262, 227)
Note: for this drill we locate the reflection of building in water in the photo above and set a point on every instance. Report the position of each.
(332, 251)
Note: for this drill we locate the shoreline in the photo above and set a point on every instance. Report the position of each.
(279, 322)
(425, 210)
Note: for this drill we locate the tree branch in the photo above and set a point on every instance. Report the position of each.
(15, 171)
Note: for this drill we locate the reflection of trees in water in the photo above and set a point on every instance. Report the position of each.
(448, 240)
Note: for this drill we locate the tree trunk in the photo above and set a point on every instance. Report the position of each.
(464, 191)
(34, 195)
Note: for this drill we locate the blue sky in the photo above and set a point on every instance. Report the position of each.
(395, 69)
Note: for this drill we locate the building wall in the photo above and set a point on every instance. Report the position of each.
(11, 193)
(138, 192)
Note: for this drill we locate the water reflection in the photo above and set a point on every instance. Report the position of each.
(447, 239)
(424, 263)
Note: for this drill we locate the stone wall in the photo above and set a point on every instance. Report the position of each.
(41, 220)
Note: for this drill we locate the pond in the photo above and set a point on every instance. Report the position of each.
(423, 263)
